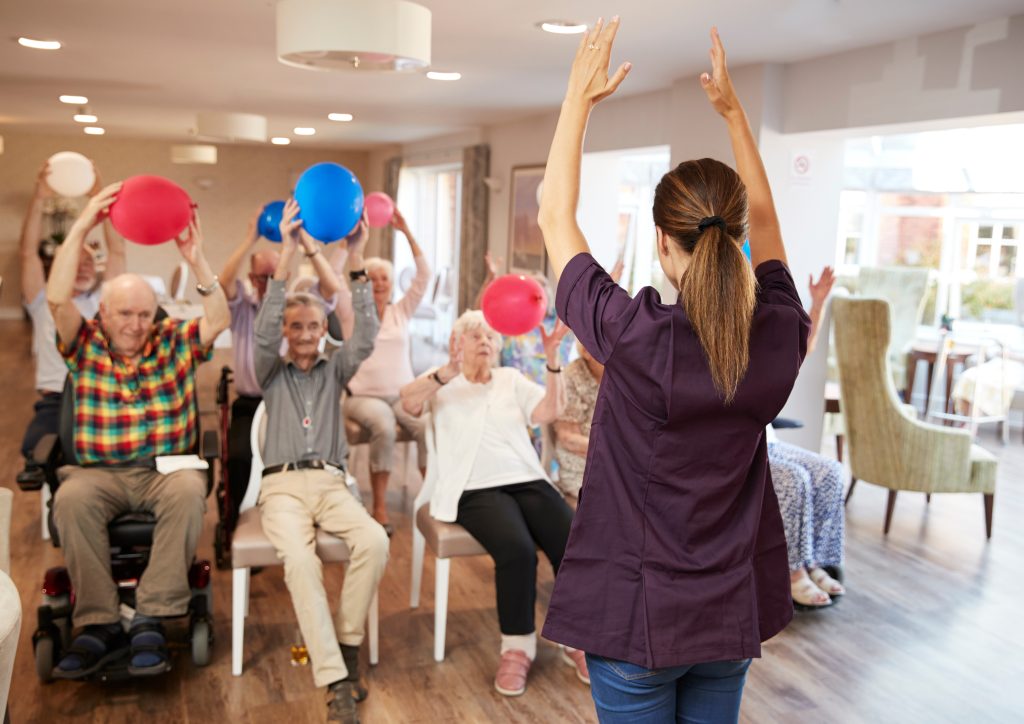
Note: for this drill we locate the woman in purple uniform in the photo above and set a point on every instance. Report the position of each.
(676, 566)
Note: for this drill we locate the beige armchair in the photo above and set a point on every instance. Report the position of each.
(888, 446)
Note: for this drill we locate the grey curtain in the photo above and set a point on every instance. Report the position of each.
(476, 165)
(384, 239)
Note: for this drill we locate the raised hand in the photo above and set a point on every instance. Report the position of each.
(96, 208)
(398, 221)
(553, 340)
(718, 85)
(290, 225)
(43, 190)
(493, 265)
(820, 289)
(358, 236)
(454, 365)
(588, 79)
(190, 242)
(252, 230)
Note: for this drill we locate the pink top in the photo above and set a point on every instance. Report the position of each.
(389, 367)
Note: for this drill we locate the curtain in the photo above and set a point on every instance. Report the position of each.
(384, 239)
(476, 164)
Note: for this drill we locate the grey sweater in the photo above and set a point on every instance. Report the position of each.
(292, 396)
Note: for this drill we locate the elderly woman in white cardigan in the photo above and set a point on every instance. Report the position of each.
(483, 474)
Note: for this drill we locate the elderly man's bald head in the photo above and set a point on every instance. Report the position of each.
(130, 288)
(264, 262)
(127, 310)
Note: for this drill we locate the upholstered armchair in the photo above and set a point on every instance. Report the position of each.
(888, 445)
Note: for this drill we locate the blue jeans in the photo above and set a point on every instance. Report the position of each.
(697, 694)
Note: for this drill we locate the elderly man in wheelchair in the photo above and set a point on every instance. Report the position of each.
(134, 388)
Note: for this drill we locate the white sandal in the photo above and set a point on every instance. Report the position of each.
(806, 595)
(826, 582)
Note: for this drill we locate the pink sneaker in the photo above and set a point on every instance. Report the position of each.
(511, 677)
(578, 659)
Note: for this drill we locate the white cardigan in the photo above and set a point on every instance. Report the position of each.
(455, 428)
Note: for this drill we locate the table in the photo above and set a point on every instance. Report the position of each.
(927, 350)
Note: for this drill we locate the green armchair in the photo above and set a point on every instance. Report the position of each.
(888, 445)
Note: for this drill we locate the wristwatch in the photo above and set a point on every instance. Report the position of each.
(359, 275)
(207, 291)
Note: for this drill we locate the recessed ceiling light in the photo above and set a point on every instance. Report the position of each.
(74, 100)
(94, 130)
(280, 141)
(39, 44)
(562, 27)
(304, 131)
(85, 118)
(438, 75)
(342, 117)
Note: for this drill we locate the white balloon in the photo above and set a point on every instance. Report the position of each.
(71, 174)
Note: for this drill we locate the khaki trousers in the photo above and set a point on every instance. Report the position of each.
(379, 415)
(89, 498)
(292, 505)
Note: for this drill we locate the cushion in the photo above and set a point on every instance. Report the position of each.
(250, 547)
(447, 540)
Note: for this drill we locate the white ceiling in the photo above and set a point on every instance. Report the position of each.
(148, 67)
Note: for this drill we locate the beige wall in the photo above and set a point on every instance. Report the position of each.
(244, 178)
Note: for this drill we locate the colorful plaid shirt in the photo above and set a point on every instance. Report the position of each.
(125, 412)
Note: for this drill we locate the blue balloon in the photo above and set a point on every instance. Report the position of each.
(270, 220)
(330, 201)
(746, 249)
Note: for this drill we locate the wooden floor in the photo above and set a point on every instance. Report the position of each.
(931, 630)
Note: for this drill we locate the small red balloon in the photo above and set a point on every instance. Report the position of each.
(514, 304)
(151, 210)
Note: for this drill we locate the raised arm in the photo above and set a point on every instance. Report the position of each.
(765, 233)
(421, 390)
(492, 274)
(266, 353)
(359, 345)
(117, 256)
(412, 298)
(33, 279)
(588, 84)
(353, 254)
(819, 297)
(216, 315)
(550, 408)
(229, 274)
(60, 288)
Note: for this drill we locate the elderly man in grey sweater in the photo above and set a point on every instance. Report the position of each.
(304, 479)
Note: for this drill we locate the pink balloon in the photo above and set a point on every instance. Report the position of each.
(514, 304)
(151, 210)
(379, 209)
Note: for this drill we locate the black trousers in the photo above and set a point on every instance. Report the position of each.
(510, 522)
(239, 461)
(45, 420)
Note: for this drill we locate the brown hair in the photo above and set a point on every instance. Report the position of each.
(702, 206)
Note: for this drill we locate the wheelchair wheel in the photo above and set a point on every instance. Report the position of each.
(45, 658)
(202, 640)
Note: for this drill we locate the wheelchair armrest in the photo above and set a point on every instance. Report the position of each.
(42, 465)
(210, 447)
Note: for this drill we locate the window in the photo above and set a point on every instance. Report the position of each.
(430, 198)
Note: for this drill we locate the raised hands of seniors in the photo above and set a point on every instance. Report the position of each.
(252, 228)
(357, 238)
(717, 85)
(552, 341)
(43, 190)
(290, 226)
(821, 289)
(97, 207)
(453, 366)
(493, 265)
(398, 221)
(588, 79)
(190, 242)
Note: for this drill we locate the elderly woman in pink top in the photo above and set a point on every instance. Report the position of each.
(373, 400)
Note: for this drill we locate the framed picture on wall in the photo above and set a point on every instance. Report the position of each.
(525, 242)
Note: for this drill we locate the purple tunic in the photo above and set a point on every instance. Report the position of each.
(677, 553)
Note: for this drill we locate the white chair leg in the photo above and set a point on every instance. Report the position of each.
(373, 629)
(248, 581)
(418, 545)
(44, 499)
(442, 567)
(239, 604)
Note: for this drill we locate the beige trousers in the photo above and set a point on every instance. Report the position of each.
(292, 505)
(379, 415)
(89, 498)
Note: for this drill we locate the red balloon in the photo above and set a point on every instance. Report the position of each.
(514, 304)
(151, 210)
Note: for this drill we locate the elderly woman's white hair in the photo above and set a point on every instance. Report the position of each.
(375, 262)
(470, 320)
